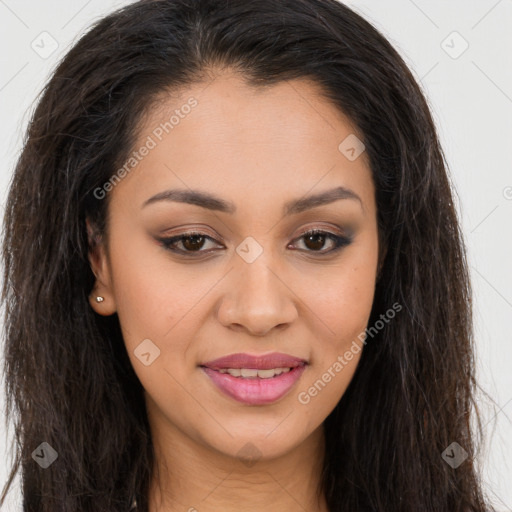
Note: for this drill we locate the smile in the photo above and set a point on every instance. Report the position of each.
(251, 373)
(255, 380)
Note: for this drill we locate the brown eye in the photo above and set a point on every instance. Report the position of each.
(193, 242)
(315, 239)
(187, 243)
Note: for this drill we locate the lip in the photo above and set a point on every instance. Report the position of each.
(256, 390)
(258, 362)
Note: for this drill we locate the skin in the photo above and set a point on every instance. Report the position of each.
(257, 148)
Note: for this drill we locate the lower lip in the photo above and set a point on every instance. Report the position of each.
(255, 391)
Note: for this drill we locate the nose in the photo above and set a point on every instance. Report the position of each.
(258, 299)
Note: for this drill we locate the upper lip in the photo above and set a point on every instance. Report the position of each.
(259, 362)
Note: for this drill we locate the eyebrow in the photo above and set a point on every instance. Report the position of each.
(211, 202)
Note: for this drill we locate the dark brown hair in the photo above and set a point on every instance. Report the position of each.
(69, 381)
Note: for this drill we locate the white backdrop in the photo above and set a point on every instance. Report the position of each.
(460, 51)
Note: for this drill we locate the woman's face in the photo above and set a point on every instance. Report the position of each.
(250, 172)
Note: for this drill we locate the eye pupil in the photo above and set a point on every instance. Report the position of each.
(315, 237)
(194, 245)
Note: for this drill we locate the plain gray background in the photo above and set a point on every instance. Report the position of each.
(460, 52)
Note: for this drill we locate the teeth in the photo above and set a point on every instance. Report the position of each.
(251, 373)
(245, 372)
(267, 374)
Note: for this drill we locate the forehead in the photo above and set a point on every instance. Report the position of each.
(275, 142)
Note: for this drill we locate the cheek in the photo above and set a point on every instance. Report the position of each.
(333, 366)
(161, 309)
(341, 305)
(153, 301)
(342, 302)
(344, 310)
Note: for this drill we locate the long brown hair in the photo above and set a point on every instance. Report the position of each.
(69, 381)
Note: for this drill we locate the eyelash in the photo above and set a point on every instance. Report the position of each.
(339, 241)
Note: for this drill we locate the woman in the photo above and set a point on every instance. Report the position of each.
(234, 274)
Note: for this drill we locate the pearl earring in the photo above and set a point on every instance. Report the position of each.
(99, 299)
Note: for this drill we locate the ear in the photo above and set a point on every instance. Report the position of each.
(101, 269)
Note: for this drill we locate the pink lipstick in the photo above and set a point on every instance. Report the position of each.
(255, 380)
